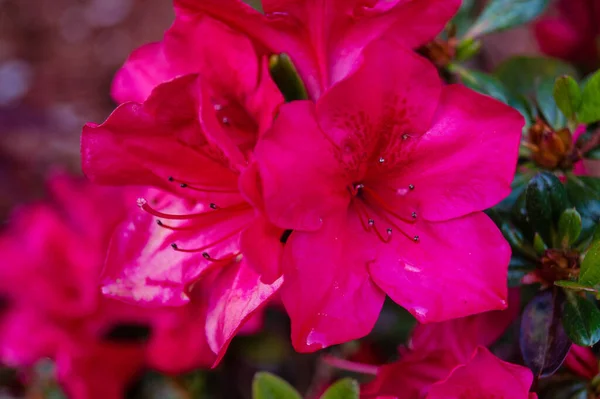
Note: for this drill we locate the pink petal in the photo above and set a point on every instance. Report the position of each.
(146, 144)
(142, 267)
(458, 268)
(411, 376)
(327, 290)
(466, 161)
(260, 243)
(582, 361)
(235, 295)
(463, 335)
(485, 376)
(299, 171)
(377, 104)
(146, 68)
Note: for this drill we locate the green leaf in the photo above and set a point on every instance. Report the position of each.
(482, 83)
(589, 111)
(346, 388)
(569, 227)
(467, 49)
(522, 74)
(538, 244)
(590, 267)
(567, 95)
(545, 200)
(572, 285)
(504, 14)
(584, 194)
(269, 386)
(581, 320)
(545, 101)
(286, 77)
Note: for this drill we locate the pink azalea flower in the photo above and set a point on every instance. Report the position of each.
(583, 362)
(571, 32)
(450, 360)
(323, 37)
(53, 255)
(193, 136)
(382, 182)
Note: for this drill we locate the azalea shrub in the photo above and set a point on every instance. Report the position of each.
(323, 199)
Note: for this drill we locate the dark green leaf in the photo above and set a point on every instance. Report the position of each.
(547, 105)
(563, 389)
(589, 111)
(581, 320)
(584, 194)
(543, 341)
(522, 74)
(516, 240)
(545, 200)
(483, 83)
(590, 267)
(346, 388)
(286, 77)
(269, 386)
(538, 244)
(569, 227)
(504, 14)
(567, 95)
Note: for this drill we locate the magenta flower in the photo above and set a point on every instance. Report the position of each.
(583, 362)
(382, 182)
(56, 250)
(193, 136)
(571, 33)
(324, 38)
(449, 360)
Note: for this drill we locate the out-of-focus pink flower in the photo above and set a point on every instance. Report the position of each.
(382, 182)
(450, 360)
(572, 32)
(324, 38)
(582, 361)
(51, 305)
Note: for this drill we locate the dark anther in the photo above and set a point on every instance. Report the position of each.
(171, 178)
(414, 215)
(174, 246)
(158, 222)
(371, 222)
(183, 185)
(389, 231)
(213, 206)
(205, 255)
(410, 186)
(285, 236)
(416, 238)
(128, 333)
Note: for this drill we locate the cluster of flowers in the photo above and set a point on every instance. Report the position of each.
(371, 186)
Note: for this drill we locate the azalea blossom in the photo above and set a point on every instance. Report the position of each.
(583, 362)
(382, 181)
(193, 136)
(99, 344)
(324, 38)
(450, 360)
(570, 31)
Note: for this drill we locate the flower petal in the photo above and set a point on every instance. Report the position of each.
(235, 295)
(299, 171)
(146, 68)
(484, 376)
(458, 268)
(327, 290)
(466, 161)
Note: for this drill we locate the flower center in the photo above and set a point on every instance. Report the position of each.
(558, 265)
(374, 211)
